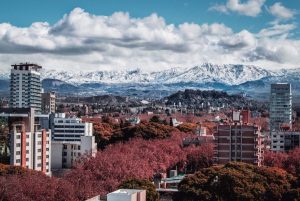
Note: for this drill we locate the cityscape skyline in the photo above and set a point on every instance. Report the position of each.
(114, 35)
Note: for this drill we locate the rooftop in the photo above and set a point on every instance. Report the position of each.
(15, 112)
(26, 66)
(127, 191)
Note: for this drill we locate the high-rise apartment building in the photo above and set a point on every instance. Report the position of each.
(280, 107)
(25, 86)
(48, 102)
(280, 114)
(30, 139)
(238, 142)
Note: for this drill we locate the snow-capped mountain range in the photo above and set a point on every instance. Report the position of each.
(226, 74)
(231, 78)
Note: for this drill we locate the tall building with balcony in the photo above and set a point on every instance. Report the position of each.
(280, 106)
(238, 142)
(30, 139)
(48, 102)
(25, 86)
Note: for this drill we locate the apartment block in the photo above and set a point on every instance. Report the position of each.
(66, 153)
(238, 142)
(69, 129)
(48, 102)
(284, 140)
(72, 139)
(25, 86)
(30, 140)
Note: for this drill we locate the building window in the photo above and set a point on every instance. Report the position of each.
(39, 157)
(18, 136)
(65, 146)
(18, 144)
(27, 136)
(27, 151)
(78, 147)
(39, 165)
(39, 143)
(27, 159)
(39, 150)
(47, 156)
(18, 153)
(27, 143)
(18, 161)
(65, 153)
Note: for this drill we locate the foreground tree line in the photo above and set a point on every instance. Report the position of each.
(137, 158)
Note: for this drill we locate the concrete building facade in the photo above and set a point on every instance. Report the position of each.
(284, 140)
(30, 141)
(127, 195)
(48, 102)
(70, 129)
(25, 86)
(238, 142)
(65, 153)
(71, 140)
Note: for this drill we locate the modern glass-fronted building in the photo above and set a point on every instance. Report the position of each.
(281, 107)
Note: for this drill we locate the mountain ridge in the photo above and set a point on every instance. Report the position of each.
(249, 80)
(230, 74)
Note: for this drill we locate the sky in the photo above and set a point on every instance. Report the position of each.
(90, 35)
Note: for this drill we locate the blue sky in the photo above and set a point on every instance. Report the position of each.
(23, 13)
(252, 22)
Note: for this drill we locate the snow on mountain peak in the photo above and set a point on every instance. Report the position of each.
(229, 74)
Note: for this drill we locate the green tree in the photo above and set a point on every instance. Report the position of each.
(152, 194)
(155, 119)
(237, 182)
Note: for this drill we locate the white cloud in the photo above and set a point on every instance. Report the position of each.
(277, 30)
(281, 12)
(250, 8)
(82, 41)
